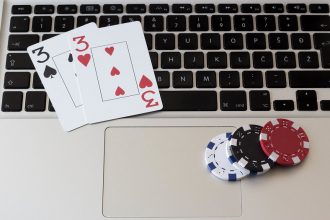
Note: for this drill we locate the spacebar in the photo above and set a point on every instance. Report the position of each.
(189, 100)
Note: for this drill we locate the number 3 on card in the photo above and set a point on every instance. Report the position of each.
(81, 41)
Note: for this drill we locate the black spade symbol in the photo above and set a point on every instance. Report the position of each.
(70, 58)
(49, 72)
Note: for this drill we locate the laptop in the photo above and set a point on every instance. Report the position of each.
(152, 166)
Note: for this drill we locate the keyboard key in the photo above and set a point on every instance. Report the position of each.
(37, 84)
(255, 41)
(163, 79)
(108, 20)
(165, 41)
(301, 41)
(159, 8)
(189, 100)
(306, 100)
(153, 23)
(182, 79)
(130, 18)
(285, 60)
(259, 100)
(113, 9)
(82, 20)
(233, 101)
(21, 42)
(136, 8)
(154, 59)
(229, 79)
(21, 9)
(50, 107)
(296, 8)
(274, 8)
(288, 22)
(148, 38)
(206, 79)
(18, 61)
(262, 60)
(233, 41)
(187, 41)
(221, 23)
(319, 8)
(243, 22)
(182, 8)
(315, 22)
(17, 80)
(64, 23)
(309, 79)
(321, 40)
(176, 23)
(171, 60)
(216, 60)
(198, 23)
(308, 60)
(283, 105)
(35, 101)
(239, 60)
(12, 101)
(204, 8)
(210, 41)
(42, 24)
(19, 24)
(67, 9)
(251, 8)
(325, 105)
(325, 51)
(44, 9)
(278, 41)
(48, 36)
(193, 60)
(275, 79)
(265, 23)
(252, 79)
(90, 9)
(228, 8)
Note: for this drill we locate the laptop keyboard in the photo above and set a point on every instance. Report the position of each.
(207, 57)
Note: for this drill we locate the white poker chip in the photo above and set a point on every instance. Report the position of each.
(217, 160)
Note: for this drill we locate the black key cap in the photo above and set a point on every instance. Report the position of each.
(12, 101)
(17, 80)
(148, 38)
(90, 9)
(189, 100)
(275, 79)
(325, 56)
(308, 60)
(315, 22)
(67, 9)
(48, 36)
(204, 8)
(274, 8)
(262, 60)
(301, 41)
(255, 41)
(216, 60)
(187, 41)
(321, 40)
(206, 79)
(285, 60)
(130, 18)
(108, 20)
(309, 79)
(82, 20)
(243, 22)
(306, 100)
(44, 9)
(18, 61)
(176, 23)
(154, 59)
(251, 8)
(233, 101)
(259, 100)
(193, 60)
(252, 79)
(182, 79)
(64, 23)
(319, 8)
(228, 8)
(113, 9)
(21, 42)
(153, 23)
(198, 23)
(283, 105)
(278, 41)
(325, 105)
(19, 24)
(221, 23)
(37, 84)
(159, 8)
(171, 60)
(21, 9)
(210, 41)
(50, 107)
(182, 8)
(233, 41)
(35, 101)
(296, 8)
(165, 41)
(239, 60)
(42, 24)
(229, 79)
(265, 23)
(288, 23)
(163, 79)
(136, 8)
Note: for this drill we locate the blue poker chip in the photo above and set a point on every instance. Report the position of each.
(217, 161)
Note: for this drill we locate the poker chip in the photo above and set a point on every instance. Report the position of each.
(217, 161)
(284, 142)
(246, 151)
(233, 161)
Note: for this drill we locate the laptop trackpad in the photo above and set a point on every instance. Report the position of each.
(160, 172)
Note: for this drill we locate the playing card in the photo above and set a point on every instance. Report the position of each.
(54, 63)
(115, 73)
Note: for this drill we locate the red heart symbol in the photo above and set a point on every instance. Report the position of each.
(145, 82)
(114, 71)
(109, 50)
(84, 59)
(119, 91)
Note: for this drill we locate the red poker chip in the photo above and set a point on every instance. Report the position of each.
(284, 142)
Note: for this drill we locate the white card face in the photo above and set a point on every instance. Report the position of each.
(115, 73)
(55, 68)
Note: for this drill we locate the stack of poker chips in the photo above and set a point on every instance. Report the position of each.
(254, 150)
